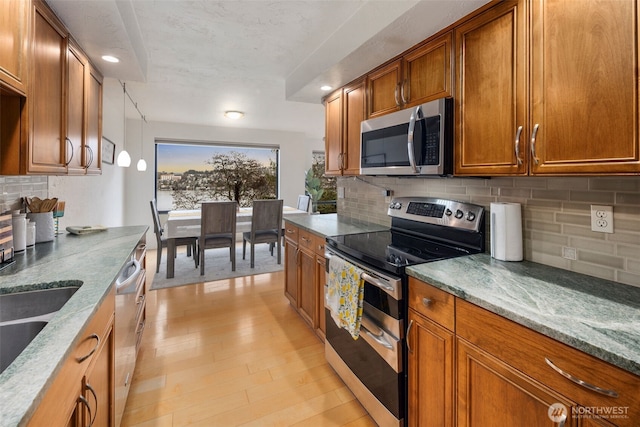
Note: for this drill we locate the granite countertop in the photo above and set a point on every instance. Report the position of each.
(333, 224)
(94, 260)
(596, 316)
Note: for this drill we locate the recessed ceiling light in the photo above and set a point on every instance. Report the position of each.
(234, 115)
(325, 88)
(110, 58)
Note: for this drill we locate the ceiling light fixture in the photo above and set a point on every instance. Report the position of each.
(142, 164)
(110, 58)
(124, 159)
(325, 88)
(233, 115)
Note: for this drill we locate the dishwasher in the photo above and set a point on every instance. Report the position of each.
(129, 323)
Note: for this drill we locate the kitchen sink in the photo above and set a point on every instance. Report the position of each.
(24, 314)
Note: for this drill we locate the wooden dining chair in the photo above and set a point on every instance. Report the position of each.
(161, 241)
(218, 229)
(266, 227)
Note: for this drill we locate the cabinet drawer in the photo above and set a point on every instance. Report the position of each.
(305, 241)
(291, 232)
(432, 303)
(318, 244)
(527, 351)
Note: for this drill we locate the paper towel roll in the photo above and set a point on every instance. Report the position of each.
(506, 231)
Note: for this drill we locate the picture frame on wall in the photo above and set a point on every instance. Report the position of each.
(108, 151)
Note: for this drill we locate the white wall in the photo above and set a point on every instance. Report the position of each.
(121, 196)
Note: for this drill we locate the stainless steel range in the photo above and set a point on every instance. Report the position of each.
(422, 230)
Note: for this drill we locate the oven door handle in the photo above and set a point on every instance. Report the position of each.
(375, 281)
(368, 326)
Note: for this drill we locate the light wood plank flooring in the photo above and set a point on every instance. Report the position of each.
(234, 353)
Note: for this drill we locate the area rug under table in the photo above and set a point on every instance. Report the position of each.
(217, 266)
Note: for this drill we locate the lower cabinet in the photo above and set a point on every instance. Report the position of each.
(470, 367)
(305, 275)
(82, 393)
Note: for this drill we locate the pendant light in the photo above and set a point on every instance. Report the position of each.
(124, 159)
(142, 165)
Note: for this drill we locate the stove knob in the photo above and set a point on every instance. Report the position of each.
(448, 212)
(471, 216)
(459, 214)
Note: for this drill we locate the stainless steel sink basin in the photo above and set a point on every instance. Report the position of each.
(16, 337)
(23, 305)
(24, 314)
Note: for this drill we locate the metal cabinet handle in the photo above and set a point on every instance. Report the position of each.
(395, 95)
(70, 144)
(88, 355)
(534, 134)
(610, 393)
(90, 151)
(517, 145)
(427, 301)
(84, 401)
(95, 398)
(402, 97)
(408, 332)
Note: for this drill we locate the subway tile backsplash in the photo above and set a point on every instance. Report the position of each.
(556, 213)
(13, 188)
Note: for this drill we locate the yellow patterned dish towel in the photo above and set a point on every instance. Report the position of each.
(345, 294)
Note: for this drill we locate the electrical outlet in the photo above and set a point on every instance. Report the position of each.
(602, 218)
(340, 192)
(569, 253)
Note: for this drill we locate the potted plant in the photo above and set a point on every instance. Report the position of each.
(313, 186)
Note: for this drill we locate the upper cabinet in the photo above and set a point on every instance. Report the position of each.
(420, 75)
(14, 36)
(568, 106)
(345, 110)
(56, 129)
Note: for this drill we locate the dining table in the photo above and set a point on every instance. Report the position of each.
(186, 223)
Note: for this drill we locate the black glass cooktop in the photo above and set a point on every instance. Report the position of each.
(392, 250)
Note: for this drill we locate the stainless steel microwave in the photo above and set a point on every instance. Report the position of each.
(414, 141)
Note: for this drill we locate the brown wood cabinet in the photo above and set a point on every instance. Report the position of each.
(422, 74)
(14, 38)
(430, 358)
(345, 110)
(57, 128)
(304, 275)
(548, 109)
(502, 371)
(89, 367)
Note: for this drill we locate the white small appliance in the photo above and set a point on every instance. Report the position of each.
(506, 231)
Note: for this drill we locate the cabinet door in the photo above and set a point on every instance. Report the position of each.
(333, 134)
(584, 86)
(491, 393)
(92, 153)
(99, 385)
(430, 373)
(320, 278)
(428, 72)
(384, 89)
(491, 70)
(307, 287)
(46, 142)
(291, 272)
(75, 100)
(14, 34)
(353, 115)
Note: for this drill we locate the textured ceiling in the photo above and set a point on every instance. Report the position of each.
(189, 61)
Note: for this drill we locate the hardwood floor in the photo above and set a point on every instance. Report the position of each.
(234, 353)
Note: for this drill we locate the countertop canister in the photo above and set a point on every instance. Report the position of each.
(19, 222)
(45, 230)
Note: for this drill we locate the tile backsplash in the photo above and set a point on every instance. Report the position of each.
(556, 214)
(13, 188)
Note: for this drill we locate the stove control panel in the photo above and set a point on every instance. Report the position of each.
(442, 212)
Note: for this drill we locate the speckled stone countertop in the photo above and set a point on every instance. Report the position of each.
(333, 225)
(94, 260)
(599, 317)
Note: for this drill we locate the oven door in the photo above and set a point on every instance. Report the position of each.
(372, 365)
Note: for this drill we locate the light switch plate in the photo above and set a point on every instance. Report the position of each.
(602, 218)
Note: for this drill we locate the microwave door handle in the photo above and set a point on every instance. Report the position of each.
(417, 114)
